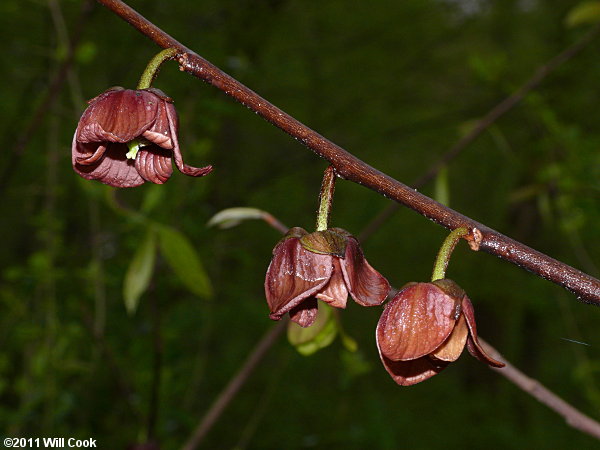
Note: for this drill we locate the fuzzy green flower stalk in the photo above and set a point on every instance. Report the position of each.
(326, 198)
(153, 67)
(148, 76)
(443, 257)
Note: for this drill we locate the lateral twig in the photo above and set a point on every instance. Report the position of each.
(537, 390)
(230, 391)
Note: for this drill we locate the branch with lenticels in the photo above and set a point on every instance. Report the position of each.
(347, 166)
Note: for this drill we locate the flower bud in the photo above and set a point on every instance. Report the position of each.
(424, 328)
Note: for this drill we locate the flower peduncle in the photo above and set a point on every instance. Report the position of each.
(326, 198)
(153, 67)
(445, 252)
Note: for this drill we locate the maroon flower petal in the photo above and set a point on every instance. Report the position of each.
(407, 373)
(335, 292)
(415, 322)
(83, 157)
(113, 169)
(160, 132)
(118, 116)
(473, 345)
(367, 286)
(305, 313)
(294, 275)
(154, 164)
(183, 168)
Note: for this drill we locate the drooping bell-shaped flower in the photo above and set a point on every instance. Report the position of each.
(424, 328)
(127, 137)
(324, 265)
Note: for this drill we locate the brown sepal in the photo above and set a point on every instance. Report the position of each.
(326, 242)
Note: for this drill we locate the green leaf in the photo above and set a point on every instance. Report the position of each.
(86, 52)
(442, 188)
(319, 335)
(184, 260)
(355, 364)
(139, 272)
(349, 342)
(231, 217)
(155, 194)
(584, 13)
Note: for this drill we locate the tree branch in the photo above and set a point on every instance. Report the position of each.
(585, 287)
(507, 104)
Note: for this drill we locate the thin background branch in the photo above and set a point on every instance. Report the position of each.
(157, 363)
(54, 88)
(485, 122)
(573, 417)
(239, 379)
(120, 378)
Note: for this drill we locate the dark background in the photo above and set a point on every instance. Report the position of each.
(396, 83)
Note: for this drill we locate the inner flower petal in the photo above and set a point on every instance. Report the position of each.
(451, 349)
(335, 293)
(113, 169)
(94, 157)
(407, 373)
(305, 313)
(154, 164)
(160, 133)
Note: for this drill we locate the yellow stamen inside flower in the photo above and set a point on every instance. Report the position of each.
(134, 147)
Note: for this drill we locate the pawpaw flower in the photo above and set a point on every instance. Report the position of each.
(127, 137)
(424, 328)
(324, 265)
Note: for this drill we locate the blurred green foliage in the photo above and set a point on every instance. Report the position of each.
(396, 83)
